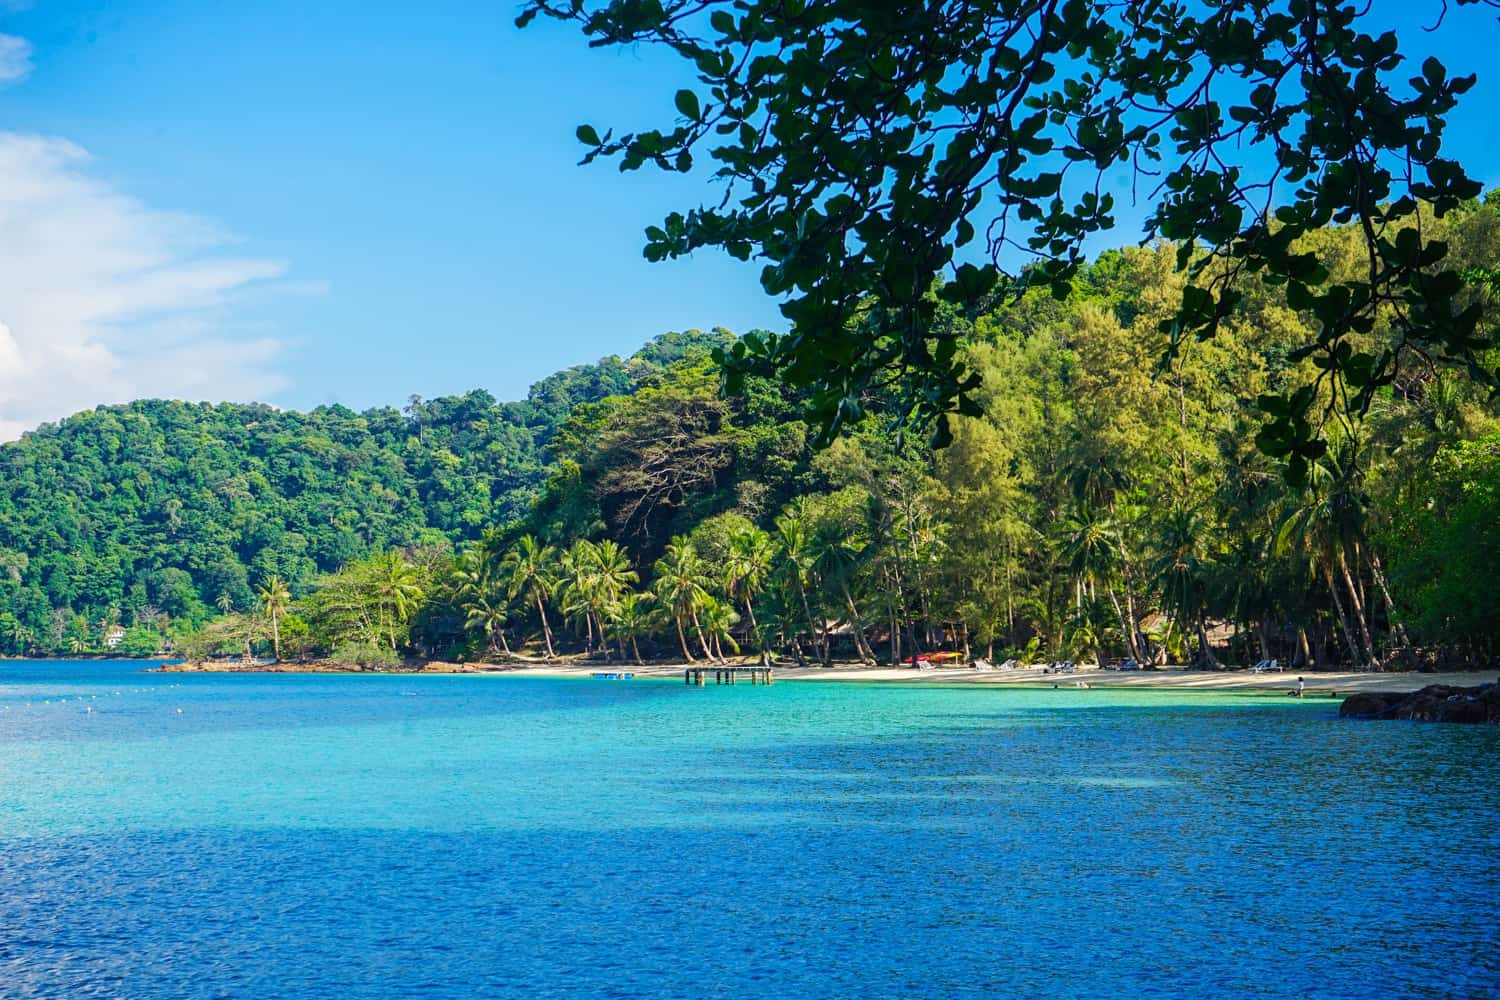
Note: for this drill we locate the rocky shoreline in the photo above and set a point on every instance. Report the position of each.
(1434, 703)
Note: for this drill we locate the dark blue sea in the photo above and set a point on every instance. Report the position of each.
(302, 836)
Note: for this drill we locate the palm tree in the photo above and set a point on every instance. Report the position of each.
(751, 556)
(794, 568)
(1182, 571)
(1089, 627)
(398, 589)
(681, 585)
(612, 580)
(485, 605)
(719, 618)
(24, 638)
(576, 582)
(837, 562)
(528, 570)
(225, 603)
(274, 597)
(1093, 553)
(1321, 524)
(489, 619)
(1326, 524)
(634, 617)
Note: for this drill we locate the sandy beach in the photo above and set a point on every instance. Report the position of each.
(1176, 679)
(1321, 683)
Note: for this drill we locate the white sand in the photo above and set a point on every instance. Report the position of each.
(1176, 679)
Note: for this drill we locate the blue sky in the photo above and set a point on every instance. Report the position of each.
(353, 202)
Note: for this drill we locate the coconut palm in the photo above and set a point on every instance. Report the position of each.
(1319, 525)
(485, 604)
(1093, 553)
(836, 562)
(23, 637)
(274, 597)
(576, 584)
(751, 556)
(1326, 525)
(1183, 571)
(793, 569)
(1090, 628)
(528, 570)
(612, 578)
(681, 585)
(719, 618)
(397, 589)
(635, 616)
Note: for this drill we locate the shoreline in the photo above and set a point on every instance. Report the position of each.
(1318, 684)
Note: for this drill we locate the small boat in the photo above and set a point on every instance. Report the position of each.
(613, 676)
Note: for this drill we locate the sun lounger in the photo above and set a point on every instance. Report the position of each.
(1266, 667)
(983, 664)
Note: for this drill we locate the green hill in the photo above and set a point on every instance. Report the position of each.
(161, 506)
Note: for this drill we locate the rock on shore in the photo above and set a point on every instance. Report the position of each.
(1434, 703)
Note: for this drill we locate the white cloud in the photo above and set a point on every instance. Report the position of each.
(15, 59)
(104, 300)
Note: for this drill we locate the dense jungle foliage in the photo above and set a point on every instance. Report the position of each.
(1102, 504)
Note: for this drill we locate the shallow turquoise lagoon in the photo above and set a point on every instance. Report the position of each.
(349, 837)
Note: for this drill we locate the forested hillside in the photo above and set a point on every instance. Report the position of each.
(162, 511)
(1105, 500)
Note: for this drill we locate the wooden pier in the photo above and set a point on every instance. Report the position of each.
(698, 676)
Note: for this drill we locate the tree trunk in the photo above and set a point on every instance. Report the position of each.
(541, 609)
(1142, 649)
(894, 637)
(1338, 604)
(698, 630)
(1360, 619)
(1205, 655)
(760, 640)
(637, 651)
(682, 638)
(276, 638)
(860, 645)
(820, 642)
(1305, 650)
(1124, 626)
(1398, 627)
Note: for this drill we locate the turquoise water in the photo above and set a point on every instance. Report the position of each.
(358, 837)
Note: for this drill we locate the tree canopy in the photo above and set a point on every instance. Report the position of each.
(1094, 508)
(165, 509)
(872, 152)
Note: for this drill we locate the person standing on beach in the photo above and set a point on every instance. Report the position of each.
(1301, 685)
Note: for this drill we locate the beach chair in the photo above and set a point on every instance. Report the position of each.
(1007, 665)
(1266, 667)
(983, 664)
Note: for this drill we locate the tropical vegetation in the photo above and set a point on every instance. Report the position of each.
(1097, 504)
